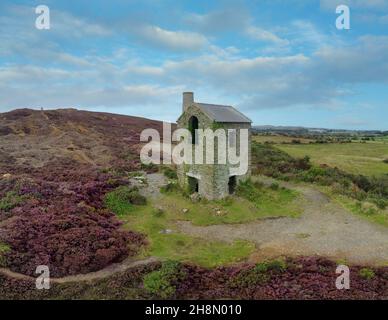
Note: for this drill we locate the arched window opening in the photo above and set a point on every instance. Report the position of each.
(193, 127)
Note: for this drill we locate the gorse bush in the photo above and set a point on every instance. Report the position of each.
(162, 283)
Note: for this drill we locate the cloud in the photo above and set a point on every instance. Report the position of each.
(358, 4)
(142, 69)
(67, 25)
(50, 88)
(384, 19)
(264, 35)
(364, 62)
(230, 18)
(320, 80)
(172, 40)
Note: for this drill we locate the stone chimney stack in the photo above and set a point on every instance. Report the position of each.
(188, 98)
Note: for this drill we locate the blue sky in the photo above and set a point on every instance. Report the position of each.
(280, 62)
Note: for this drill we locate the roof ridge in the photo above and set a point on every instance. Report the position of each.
(223, 113)
(213, 104)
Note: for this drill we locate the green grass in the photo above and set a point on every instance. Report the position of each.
(267, 203)
(179, 246)
(123, 200)
(372, 214)
(358, 158)
(182, 247)
(4, 248)
(367, 273)
(10, 201)
(160, 283)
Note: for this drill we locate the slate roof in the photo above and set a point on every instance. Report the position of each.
(220, 113)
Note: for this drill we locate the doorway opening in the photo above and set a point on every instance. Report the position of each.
(193, 185)
(232, 184)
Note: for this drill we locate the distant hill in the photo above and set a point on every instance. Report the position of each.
(34, 138)
(307, 130)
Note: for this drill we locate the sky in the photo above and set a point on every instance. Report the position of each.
(281, 62)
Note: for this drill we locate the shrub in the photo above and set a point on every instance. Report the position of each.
(61, 223)
(381, 203)
(275, 163)
(248, 190)
(122, 198)
(385, 160)
(4, 249)
(170, 173)
(259, 274)
(250, 277)
(274, 186)
(170, 187)
(69, 239)
(366, 273)
(313, 173)
(277, 265)
(10, 201)
(151, 167)
(162, 283)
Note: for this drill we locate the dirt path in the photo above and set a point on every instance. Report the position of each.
(103, 273)
(325, 228)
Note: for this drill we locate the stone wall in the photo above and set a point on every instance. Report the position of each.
(213, 178)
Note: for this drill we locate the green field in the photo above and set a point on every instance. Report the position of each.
(355, 157)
